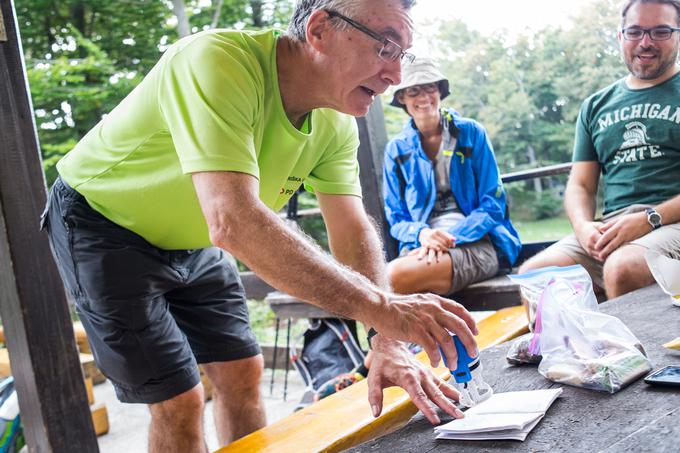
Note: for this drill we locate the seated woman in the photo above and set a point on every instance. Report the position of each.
(444, 199)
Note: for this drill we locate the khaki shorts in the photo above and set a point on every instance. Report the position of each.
(665, 240)
(471, 263)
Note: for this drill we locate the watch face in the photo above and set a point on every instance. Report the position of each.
(654, 218)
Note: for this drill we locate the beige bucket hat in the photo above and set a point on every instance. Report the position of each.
(421, 71)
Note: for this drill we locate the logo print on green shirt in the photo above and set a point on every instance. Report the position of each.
(636, 145)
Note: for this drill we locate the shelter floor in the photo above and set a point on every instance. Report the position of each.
(129, 423)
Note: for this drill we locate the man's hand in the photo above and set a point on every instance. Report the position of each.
(434, 243)
(427, 320)
(620, 231)
(394, 365)
(588, 234)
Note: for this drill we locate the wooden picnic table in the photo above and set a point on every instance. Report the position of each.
(638, 418)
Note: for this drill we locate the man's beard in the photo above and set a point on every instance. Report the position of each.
(650, 73)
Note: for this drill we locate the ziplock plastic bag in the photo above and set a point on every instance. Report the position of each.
(519, 354)
(531, 286)
(581, 346)
(534, 282)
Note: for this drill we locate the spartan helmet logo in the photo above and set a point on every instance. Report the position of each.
(635, 135)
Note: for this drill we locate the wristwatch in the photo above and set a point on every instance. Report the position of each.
(371, 333)
(654, 218)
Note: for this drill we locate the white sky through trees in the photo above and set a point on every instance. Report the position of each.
(491, 15)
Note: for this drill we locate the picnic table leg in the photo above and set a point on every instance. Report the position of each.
(276, 350)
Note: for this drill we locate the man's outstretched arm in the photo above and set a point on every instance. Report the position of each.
(240, 223)
(354, 241)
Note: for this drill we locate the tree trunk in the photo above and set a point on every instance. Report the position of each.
(256, 6)
(218, 12)
(182, 20)
(531, 153)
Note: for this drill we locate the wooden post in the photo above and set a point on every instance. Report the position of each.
(3, 33)
(38, 330)
(373, 138)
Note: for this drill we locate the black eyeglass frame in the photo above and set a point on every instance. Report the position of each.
(402, 55)
(428, 88)
(649, 31)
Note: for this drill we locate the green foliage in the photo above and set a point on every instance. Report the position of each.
(551, 229)
(546, 206)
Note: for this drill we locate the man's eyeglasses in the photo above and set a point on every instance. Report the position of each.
(390, 50)
(656, 33)
(415, 90)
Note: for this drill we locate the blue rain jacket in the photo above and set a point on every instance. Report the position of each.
(409, 188)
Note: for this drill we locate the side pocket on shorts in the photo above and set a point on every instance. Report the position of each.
(61, 242)
(78, 291)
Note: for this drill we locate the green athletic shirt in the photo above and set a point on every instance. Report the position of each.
(211, 103)
(635, 137)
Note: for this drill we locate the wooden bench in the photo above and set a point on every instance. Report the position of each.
(344, 419)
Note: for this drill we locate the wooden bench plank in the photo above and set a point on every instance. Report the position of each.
(344, 419)
(285, 306)
(254, 286)
(492, 294)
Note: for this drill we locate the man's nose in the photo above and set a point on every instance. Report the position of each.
(392, 72)
(646, 40)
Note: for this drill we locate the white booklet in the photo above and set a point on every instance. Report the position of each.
(510, 415)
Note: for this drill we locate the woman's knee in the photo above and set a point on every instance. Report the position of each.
(401, 274)
(409, 275)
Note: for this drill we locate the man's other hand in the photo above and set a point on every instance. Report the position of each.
(394, 365)
(588, 235)
(427, 320)
(620, 231)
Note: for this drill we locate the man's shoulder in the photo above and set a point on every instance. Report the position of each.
(603, 95)
(212, 48)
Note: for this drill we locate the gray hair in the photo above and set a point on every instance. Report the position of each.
(349, 8)
(628, 3)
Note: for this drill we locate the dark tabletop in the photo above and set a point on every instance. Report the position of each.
(638, 418)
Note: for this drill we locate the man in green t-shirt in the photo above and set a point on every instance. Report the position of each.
(193, 162)
(629, 132)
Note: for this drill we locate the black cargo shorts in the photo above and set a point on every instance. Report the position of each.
(150, 314)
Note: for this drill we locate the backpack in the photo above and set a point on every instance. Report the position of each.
(329, 349)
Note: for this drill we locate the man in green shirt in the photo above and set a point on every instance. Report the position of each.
(195, 161)
(630, 132)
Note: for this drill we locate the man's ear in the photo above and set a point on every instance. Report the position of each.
(318, 28)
